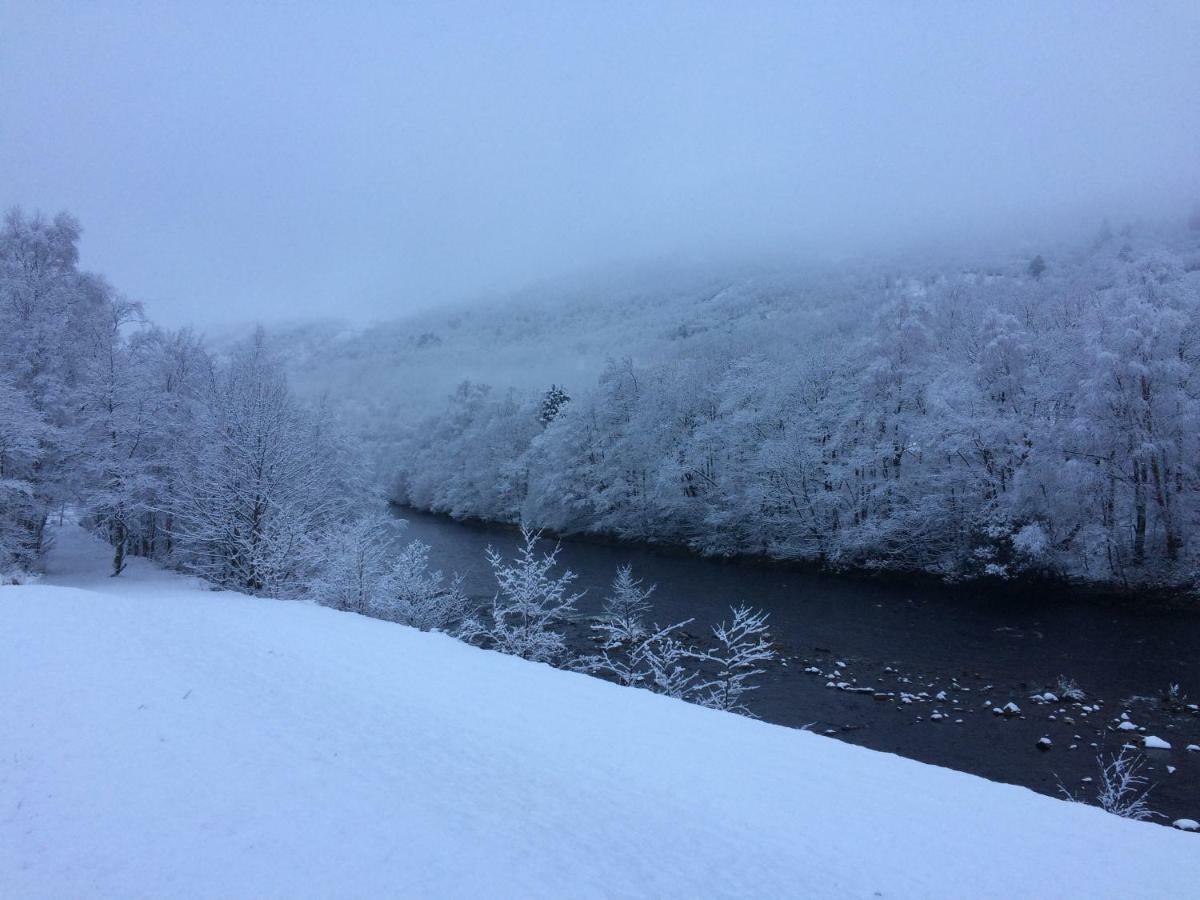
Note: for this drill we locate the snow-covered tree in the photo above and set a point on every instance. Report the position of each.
(165, 452)
(259, 483)
(741, 648)
(663, 663)
(23, 434)
(118, 418)
(418, 596)
(622, 616)
(531, 602)
(552, 403)
(49, 313)
(351, 564)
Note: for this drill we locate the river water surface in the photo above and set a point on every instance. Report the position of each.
(910, 643)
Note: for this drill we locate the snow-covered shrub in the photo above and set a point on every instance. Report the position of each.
(621, 619)
(351, 565)
(667, 665)
(1031, 542)
(416, 596)
(657, 660)
(633, 655)
(1122, 788)
(741, 647)
(1173, 696)
(1068, 689)
(359, 567)
(530, 604)
(19, 576)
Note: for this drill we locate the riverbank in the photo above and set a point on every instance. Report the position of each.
(1002, 648)
(170, 740)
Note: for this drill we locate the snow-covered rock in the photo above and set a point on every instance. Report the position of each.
(1155, 743)
(1127, 726)
(1186, 824)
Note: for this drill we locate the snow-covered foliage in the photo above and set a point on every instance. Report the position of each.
(622, 617)
(418, 596)
(168, 451)
(1068, 689)
(531, 603)
(665, 664)
(660, 660)
(967, 421)
(50, 315)
(361, 566)
(352, 565)
(1122, 789)
(741, 647)
(552, 403)
(264, 479)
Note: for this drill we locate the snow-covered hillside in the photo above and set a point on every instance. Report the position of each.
(1028, 421)
(164, 740)
(563, 331)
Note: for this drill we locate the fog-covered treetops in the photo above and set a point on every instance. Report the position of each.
(967, 420)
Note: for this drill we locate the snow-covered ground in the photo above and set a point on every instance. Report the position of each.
(158, 739)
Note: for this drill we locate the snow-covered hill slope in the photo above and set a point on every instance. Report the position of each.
(561, 331)
(162, 740)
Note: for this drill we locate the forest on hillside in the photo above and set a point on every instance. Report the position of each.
(1038, 417)
(1029, 416)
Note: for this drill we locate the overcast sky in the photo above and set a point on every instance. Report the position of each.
(360, 159)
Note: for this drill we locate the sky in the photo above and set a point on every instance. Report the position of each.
(235, 161)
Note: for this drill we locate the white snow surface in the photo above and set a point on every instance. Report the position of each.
(163, 740)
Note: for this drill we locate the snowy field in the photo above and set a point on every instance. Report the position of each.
(158, 739)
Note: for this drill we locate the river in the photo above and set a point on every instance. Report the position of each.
(910, 643)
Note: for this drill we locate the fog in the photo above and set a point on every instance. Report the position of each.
(366, 160)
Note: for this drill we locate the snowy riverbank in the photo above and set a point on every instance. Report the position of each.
(161, 739)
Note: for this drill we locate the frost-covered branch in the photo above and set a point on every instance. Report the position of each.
(531, 602)
(741, 648)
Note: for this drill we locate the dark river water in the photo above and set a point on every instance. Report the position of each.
(978, 647)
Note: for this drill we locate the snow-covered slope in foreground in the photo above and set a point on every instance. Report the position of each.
(161, 740)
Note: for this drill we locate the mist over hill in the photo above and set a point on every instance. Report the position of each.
(1006, 414)
(564, 330)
